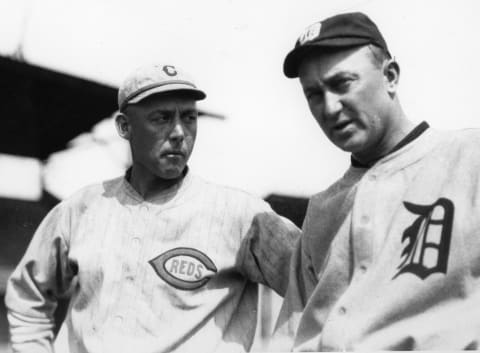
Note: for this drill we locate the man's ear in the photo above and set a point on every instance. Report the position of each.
(391, 71)
(123, 125)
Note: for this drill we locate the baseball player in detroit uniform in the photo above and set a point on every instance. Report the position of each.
(390, 256)
(158, 260)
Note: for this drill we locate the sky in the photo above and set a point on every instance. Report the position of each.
(235, 50)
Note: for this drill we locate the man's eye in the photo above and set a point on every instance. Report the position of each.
(341, 85)
(190, 118)
(159, 118)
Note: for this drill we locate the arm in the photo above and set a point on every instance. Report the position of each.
(33, 288)
(302, 282)
(267, 248)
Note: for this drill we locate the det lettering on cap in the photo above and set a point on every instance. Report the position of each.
(311, 32)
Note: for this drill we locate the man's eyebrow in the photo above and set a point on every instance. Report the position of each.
(162, 110)
(339, 75)
(189, 111)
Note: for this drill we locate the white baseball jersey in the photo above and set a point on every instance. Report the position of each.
(390, 256)
(175, 273)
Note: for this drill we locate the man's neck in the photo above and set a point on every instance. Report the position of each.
(389, 141)
(149, 185)
(406, 138)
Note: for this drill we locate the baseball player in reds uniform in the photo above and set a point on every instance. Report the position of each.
(390, 256)
(158, 260)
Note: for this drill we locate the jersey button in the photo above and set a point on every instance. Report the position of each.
(118, 320)
(342, 310)
(365, 219)
(136, 241)
(363, 268)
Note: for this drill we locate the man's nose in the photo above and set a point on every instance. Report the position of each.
(178, 131)
(332, 104)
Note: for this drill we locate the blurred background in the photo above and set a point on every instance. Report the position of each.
(61, 62)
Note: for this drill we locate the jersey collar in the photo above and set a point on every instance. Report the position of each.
(411, 136)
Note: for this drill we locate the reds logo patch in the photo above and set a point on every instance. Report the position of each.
(184, 268)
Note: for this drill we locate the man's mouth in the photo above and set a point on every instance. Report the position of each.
(340, 126)
(173, 154)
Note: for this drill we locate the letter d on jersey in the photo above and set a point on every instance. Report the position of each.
(184, 268)
(427, 239)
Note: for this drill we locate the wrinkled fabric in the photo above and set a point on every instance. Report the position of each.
(390, 256)
(178, 272)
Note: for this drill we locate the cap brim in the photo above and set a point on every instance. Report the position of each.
(176, 87)
(294, 58)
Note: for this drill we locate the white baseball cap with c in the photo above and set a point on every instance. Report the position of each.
(155, 78)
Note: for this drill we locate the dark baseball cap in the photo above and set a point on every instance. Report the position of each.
(341, 31)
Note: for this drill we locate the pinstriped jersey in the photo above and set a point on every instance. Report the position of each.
(390, 256)
(177, 272)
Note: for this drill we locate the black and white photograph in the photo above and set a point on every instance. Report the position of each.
(239, 176)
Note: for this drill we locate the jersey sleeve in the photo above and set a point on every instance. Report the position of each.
(302, 282)
(40, 278)
(267, 247)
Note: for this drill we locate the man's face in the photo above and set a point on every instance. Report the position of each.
(162, 134)
(347, 95)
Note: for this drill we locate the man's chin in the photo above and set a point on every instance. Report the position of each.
(347, 147)
(171, 174)
(350, 145)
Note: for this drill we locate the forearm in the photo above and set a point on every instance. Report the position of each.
(32, 290)
(29, 311)
(267, 250)
(30, 334)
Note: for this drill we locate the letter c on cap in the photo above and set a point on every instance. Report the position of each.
(170, 70)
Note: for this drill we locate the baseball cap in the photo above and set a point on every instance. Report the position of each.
(340, 31)
(155, 78)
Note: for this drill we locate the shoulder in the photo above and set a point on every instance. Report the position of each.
(339, 189)
(469, 137)
(230, 195)
(88, 194)
(459, 145)
(458, 137)
(327, 208)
